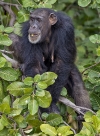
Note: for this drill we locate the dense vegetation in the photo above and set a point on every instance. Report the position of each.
(20, 100)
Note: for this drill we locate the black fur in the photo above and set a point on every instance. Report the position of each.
(61, 46)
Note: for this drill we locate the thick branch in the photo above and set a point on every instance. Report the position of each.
(14, 63)
(8, 52)
(78, 109)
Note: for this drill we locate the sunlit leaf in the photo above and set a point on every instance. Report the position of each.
(8, 74)
(49, 130)
(1, 28)
(95, 38)
(45, 100)
(64, 131)
(24, 99)
(2, 61)
(98, 51)
(9, 29)
(5, 108)
(22, 16)
(41, 85)
(84, 3)
(18, 88)
(54, 119)
(37, 78)
(5, 40)
(33, 107)
(28, 81)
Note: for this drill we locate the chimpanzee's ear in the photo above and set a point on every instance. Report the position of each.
(52, 18)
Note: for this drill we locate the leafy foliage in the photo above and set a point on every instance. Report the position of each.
(91, 126)
(20, 100)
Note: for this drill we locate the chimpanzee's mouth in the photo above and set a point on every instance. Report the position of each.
(34, 37)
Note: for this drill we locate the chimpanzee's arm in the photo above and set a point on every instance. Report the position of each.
(63, 70)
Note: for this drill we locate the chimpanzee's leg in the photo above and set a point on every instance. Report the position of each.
(76, 89)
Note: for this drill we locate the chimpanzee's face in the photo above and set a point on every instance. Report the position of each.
(40, 25)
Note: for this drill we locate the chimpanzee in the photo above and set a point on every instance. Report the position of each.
(47, 44)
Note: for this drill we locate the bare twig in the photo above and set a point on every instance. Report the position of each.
(70, 126)
(90, 67)
(22, 132)
(14, 63)
(78, 109)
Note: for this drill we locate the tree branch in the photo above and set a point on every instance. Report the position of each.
(90, 67)
(8, 52)
(10, 4)
(11, 13)
(14, 63)
(78, 109)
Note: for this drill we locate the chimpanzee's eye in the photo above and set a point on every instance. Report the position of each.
(39, 19)
(31, 18)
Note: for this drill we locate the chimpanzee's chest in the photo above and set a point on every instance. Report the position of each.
(48, 55)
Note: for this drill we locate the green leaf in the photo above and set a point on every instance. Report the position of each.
(15, 112)
(64, 91)
(1, 91)
(40, 93)
(44, 115)
(33, 107)
(93, 74)
(48, 75)
(37, 78)
(16, 88)
(98, 51)
(89, 129)
(17, 28)
(29, 3)
(95, 38)
(8, 29)
(8, 74)
(1, 28)
(4, 120)
(41, 85)
(24, 100)
(28, 81)
(95, 99)
(64, 131)
(2, 61)
(54, 119)
(5, 40)
(49, 130)
(51, 1)
(44, 101)
(84, 3)
(7, 99)
(98, 1)
(35, 123)
(19, 119)
(5, 108)
(1, 125)
(88, 116)
(22, 16)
